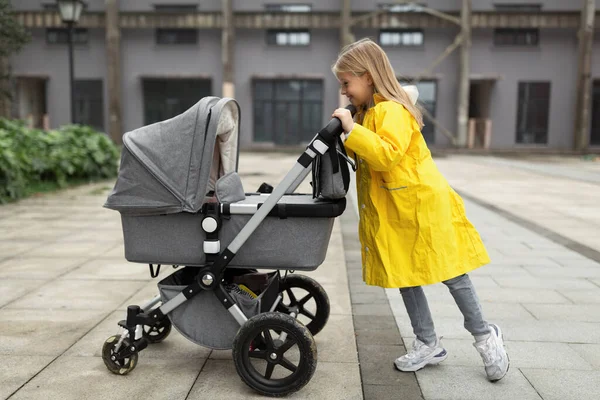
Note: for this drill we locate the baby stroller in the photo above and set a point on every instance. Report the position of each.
(183, 204)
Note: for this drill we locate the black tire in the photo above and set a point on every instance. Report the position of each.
(159, 332)
(314, 320)
(119, 367)
(256, 366)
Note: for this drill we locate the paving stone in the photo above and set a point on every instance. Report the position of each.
(543, 283)
(371, 309)
(16, 370)
(81, 295)
(109, 269)
(336, 381)
(582, 296)
(70, 250)
(12, 289)
(589, 352)
(566, 312)
(374, 353)
(569, 272)
(38, 267)
(447, 382)
(382, 392)
(383, 372)
(168, 379)
(564, 385)
(335, 343)
(43, 332)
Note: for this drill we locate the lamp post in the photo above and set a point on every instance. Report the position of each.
(70, 11)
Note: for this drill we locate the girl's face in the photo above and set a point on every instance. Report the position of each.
(358, 89)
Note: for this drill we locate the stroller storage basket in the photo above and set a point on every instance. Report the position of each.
(296, 236)
(203, 319)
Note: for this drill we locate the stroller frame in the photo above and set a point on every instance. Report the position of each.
(210, 277)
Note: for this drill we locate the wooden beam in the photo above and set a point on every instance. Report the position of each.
(315, 20)
(464, 84)
(227, 47)
(584, 79)
(113, 67)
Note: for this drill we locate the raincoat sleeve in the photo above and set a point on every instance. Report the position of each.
(385, 147)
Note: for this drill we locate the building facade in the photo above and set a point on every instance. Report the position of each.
(523, 65)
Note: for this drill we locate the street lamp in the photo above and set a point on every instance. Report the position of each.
(70, 11)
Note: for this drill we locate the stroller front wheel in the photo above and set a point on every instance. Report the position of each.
(116, 365)
(274, 354)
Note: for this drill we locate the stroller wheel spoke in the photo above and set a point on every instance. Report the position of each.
(286, 346)
(269, 371)
(268, 339)
(307, 313)
(285, 363)
(258, 354)
(305, 299)
(290, 294)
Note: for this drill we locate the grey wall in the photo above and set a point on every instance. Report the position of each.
(141, 56)
(253, 57)
(555, 60)
(40, 58)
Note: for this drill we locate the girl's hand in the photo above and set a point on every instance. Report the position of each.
(346, 117)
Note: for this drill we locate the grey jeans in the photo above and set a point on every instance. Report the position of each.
(465, 297)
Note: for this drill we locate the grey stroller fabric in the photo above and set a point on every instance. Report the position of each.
(168, 167)
(203, 319)
(229, 188)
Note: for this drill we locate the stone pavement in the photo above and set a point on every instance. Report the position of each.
(64, 284)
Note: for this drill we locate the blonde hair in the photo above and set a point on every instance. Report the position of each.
(365, 56)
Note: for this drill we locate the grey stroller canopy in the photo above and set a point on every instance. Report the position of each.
(170, 166)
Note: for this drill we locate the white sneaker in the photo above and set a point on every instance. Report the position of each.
(494, 355)
(420, 356)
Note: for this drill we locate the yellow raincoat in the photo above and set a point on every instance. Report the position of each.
(413, 228)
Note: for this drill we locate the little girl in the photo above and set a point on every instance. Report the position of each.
(413, 228)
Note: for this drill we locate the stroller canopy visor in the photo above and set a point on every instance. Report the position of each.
(170, 166)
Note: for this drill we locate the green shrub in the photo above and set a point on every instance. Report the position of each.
(72, 153)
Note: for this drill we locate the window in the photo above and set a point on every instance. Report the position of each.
(89, 103)
(516, 37)
(176, 8)
(176, 36)
(518, 7)
(401, 38)
(61, 36)
(532, 114)
(403, 8)
(167, 98)
(287, 111)
(288, 38)
(288, 8)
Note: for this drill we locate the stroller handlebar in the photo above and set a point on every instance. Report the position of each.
(334, 127)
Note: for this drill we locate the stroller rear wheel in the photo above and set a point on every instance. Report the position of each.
(115, 365)
(159, 332)
(307, 299)
(286, 360)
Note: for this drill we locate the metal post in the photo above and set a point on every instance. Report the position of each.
(463, 88)
(346, 36)
(228, 32)
(71, 73)
(584, 79)
(113, 69)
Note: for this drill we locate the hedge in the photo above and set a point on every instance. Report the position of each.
(30, 157)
